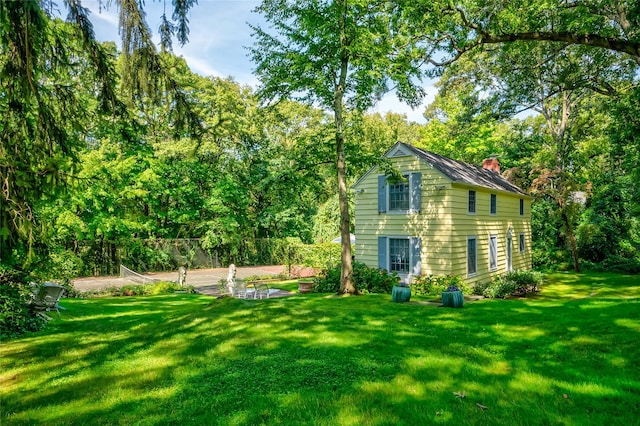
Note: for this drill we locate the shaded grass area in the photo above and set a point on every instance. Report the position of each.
(565, 356)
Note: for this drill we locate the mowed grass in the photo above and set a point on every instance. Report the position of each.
(570, 356)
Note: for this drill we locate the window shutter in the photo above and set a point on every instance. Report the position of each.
(416, 261)
(415, 188)
(382, 253)
(382, 194)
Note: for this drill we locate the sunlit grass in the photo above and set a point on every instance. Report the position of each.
(566, 356)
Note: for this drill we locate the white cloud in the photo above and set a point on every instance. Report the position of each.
(200, 66)
(218, 37)
(105, 21)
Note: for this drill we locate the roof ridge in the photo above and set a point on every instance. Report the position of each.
(460, 171)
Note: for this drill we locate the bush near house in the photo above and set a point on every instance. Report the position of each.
(433, 285)
(514, 283)
(367, 279)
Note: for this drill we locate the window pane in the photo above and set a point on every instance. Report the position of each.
(521, 207)
(399, 255)
(471, 256)
(493, 252)
(472, 201)
(521, 243)
(509, 247)
(493, 203)
(399, 196)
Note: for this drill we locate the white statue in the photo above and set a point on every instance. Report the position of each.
(182, 276)
(231, 278)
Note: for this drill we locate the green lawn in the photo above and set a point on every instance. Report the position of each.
(569, 356)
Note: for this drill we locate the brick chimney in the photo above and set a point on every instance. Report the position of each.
(492, 164)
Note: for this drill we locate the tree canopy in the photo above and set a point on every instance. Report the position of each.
(104, 150)
(341, 55)
(450, 30)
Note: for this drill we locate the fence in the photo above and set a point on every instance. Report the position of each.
(144, 255)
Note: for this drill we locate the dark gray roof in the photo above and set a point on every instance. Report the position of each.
(462, 172)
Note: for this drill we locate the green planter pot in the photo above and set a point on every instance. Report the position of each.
(400, 294)
(452, 299)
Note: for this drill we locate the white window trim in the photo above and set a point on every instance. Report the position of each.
(387, 188)
(473, 274)
(403, 275)
(495, 238)
(522, 247)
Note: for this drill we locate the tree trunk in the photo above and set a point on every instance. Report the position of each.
(347, 286)
(571, 238)
(558, 131)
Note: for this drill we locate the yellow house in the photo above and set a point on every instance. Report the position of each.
(444, 217)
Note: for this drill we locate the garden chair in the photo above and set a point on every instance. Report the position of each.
(46, 298)
(240, 290)
(262, 290)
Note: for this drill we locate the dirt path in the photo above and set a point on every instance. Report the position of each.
(199, 278)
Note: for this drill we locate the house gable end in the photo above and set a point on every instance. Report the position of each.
(399, 150)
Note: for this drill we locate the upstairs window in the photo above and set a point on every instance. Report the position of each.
(494, 204)
(521, 207)
(399, 195)
(472, 201)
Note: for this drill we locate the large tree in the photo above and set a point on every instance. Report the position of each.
(45, 69)
(465, 25)
(341, 55)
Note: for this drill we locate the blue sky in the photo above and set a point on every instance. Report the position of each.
(218, 38)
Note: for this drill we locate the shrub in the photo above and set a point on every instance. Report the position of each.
(164, 287)
(17, 316)
(322, 255)
(328, 281)
(616, 263)
(131, 290)
(373, 280)
(479, 288)
(525, 281)
(433, 285)
(65, 265)
(499, 288)
(517, 283)
(161, 287)
(368, 280)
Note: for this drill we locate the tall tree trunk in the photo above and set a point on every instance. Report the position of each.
(347, 286)
(571, 238)
(563, 147)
